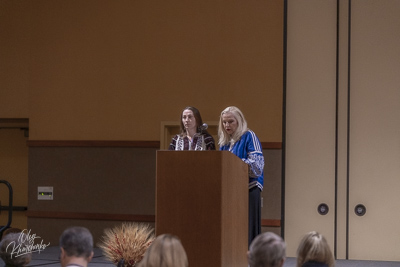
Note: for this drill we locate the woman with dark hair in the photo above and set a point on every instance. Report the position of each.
(10, 245)
(194, 135)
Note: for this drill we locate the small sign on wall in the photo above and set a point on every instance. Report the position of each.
(45, 193)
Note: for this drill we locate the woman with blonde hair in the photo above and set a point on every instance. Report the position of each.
(234, 136)
(165, 251)
(314, 251)
(267, 250)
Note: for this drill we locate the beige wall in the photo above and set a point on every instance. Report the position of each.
(310, 115)
(15, 36)
(342, 118)
(113, 70)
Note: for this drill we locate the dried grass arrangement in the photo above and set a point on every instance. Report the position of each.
(128, 241)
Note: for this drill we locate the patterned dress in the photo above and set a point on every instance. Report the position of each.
(199, 142)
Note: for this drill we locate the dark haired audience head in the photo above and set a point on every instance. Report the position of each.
(267, 250)
(8, 243)
(314, 251)
(76, 244)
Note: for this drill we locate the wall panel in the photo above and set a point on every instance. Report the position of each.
(310, 120)
(359, 156)
(15, 47)
(99, 187)
(375, 129)
(119, 180)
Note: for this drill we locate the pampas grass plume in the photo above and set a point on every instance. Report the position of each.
(128, 241)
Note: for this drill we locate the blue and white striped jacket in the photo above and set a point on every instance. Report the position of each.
(249, 149)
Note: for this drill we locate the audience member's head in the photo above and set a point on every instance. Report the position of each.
(11, 230)
(314, 251)
(165, 251)
(7, 245)
(76, 244)
(267, 250)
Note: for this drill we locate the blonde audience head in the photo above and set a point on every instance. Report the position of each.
(165, 251)
(314, 251)
(267, 250)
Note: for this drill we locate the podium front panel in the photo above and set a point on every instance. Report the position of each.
(202, 197)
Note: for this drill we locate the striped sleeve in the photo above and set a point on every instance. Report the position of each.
(255, 158)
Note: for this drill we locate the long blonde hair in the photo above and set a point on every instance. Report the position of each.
(313, 247)
(224, 137)
(165, 251)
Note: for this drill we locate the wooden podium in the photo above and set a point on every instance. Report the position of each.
(202, 197)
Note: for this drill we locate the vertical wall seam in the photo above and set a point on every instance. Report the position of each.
(284, 119)
(336, 130)
(348, 131)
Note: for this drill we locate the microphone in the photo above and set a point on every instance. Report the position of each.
(204, 127)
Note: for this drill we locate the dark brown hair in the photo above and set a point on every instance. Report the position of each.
(197, 116)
